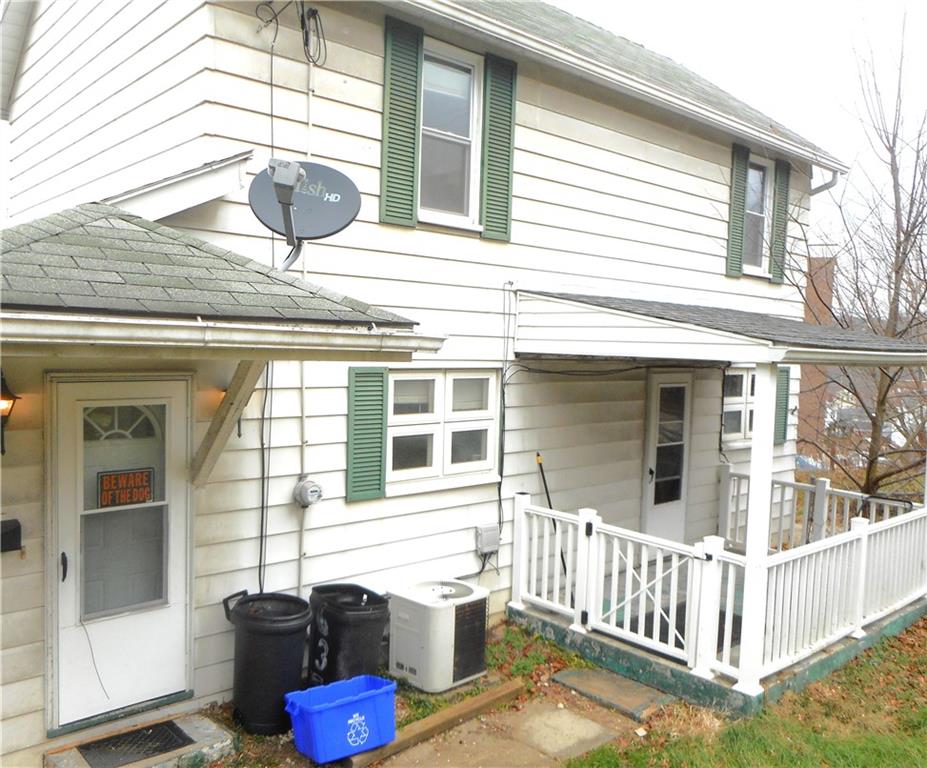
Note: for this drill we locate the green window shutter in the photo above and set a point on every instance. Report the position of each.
(402, 121)
(498, 143)
(780, 429)
(366, 433)
(740, 158)
(780, 221)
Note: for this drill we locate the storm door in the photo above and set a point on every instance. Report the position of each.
(667, 455)
(120, 489)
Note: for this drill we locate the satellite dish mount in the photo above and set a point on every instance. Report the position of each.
(303, 201)
(287, 177)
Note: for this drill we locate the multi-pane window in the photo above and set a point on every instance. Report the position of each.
(756, 216)
(440, 423)
(737, 410)
(449, 154)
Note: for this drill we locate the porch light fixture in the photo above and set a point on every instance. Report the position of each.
(7, 403)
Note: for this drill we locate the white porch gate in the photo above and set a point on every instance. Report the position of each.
(686, 602)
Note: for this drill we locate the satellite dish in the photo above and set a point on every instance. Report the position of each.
(322, 201)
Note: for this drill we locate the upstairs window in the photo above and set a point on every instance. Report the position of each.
(448, 135)
(450, 150)
(758, 219)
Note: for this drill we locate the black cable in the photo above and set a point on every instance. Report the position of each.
(721, 452)
(315, 47)
(267, 8)
(266, 421)
(265, 479)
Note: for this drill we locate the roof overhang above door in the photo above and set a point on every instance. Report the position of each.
(574, 325)
(69, 335)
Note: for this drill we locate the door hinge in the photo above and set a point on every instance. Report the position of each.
(589, 529)
(584, 617)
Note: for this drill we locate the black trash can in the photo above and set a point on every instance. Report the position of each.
(347, 628)
(270, 636)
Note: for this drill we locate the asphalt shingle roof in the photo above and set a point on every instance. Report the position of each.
(606, 48)
(100, 259)
(755, 325)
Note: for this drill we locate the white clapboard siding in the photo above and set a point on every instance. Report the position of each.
(102, 67)
(606, 200)
(22, 662)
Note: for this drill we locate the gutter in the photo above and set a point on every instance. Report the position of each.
(826, 185)
(854, 357)
(551, 53)
(291, 341)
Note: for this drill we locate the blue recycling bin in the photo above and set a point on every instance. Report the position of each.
(343, 718)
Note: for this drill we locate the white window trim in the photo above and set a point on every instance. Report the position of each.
(488, 413)
(765, 268)
(474, 63)
(441, 425)
(415, 418)
(743, 403)
(433, 470)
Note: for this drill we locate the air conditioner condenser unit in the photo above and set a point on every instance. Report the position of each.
(437, 637)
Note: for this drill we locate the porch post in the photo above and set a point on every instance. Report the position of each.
(709, 607)
(585, 568)
(759, 497)
(519, 550)
(819, 519)
(860, 525)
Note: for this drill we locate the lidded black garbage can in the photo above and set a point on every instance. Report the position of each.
(347, 628)
(270, 636)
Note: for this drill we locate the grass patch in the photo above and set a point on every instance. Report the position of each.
(871, 712)
(513, 652)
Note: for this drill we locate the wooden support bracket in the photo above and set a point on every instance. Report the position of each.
(231, 407)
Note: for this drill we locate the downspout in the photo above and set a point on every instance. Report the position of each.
(834, 176)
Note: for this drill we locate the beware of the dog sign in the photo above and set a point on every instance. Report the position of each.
(125, 486)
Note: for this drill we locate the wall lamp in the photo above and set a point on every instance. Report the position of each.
(7, 403)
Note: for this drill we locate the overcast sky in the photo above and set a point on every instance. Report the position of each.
(795, 60)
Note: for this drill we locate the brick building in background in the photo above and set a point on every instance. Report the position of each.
(815, 394)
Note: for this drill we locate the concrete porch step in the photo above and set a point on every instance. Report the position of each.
(210, 742)
(636, 700)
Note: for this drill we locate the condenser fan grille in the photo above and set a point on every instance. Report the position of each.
(469, 639)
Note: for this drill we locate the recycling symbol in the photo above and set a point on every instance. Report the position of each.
(358, 732)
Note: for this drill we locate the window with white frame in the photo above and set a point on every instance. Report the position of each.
(440, 424)
(737, 409)
(449, 160)
(757, 216)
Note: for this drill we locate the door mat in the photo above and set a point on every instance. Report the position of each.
(129, 747)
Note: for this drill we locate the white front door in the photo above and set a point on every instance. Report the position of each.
(667, 455)
(120, 491)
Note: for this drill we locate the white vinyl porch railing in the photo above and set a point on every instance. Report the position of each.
(686, 601)
(551, 540)
(799, 512)
(829, 589)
